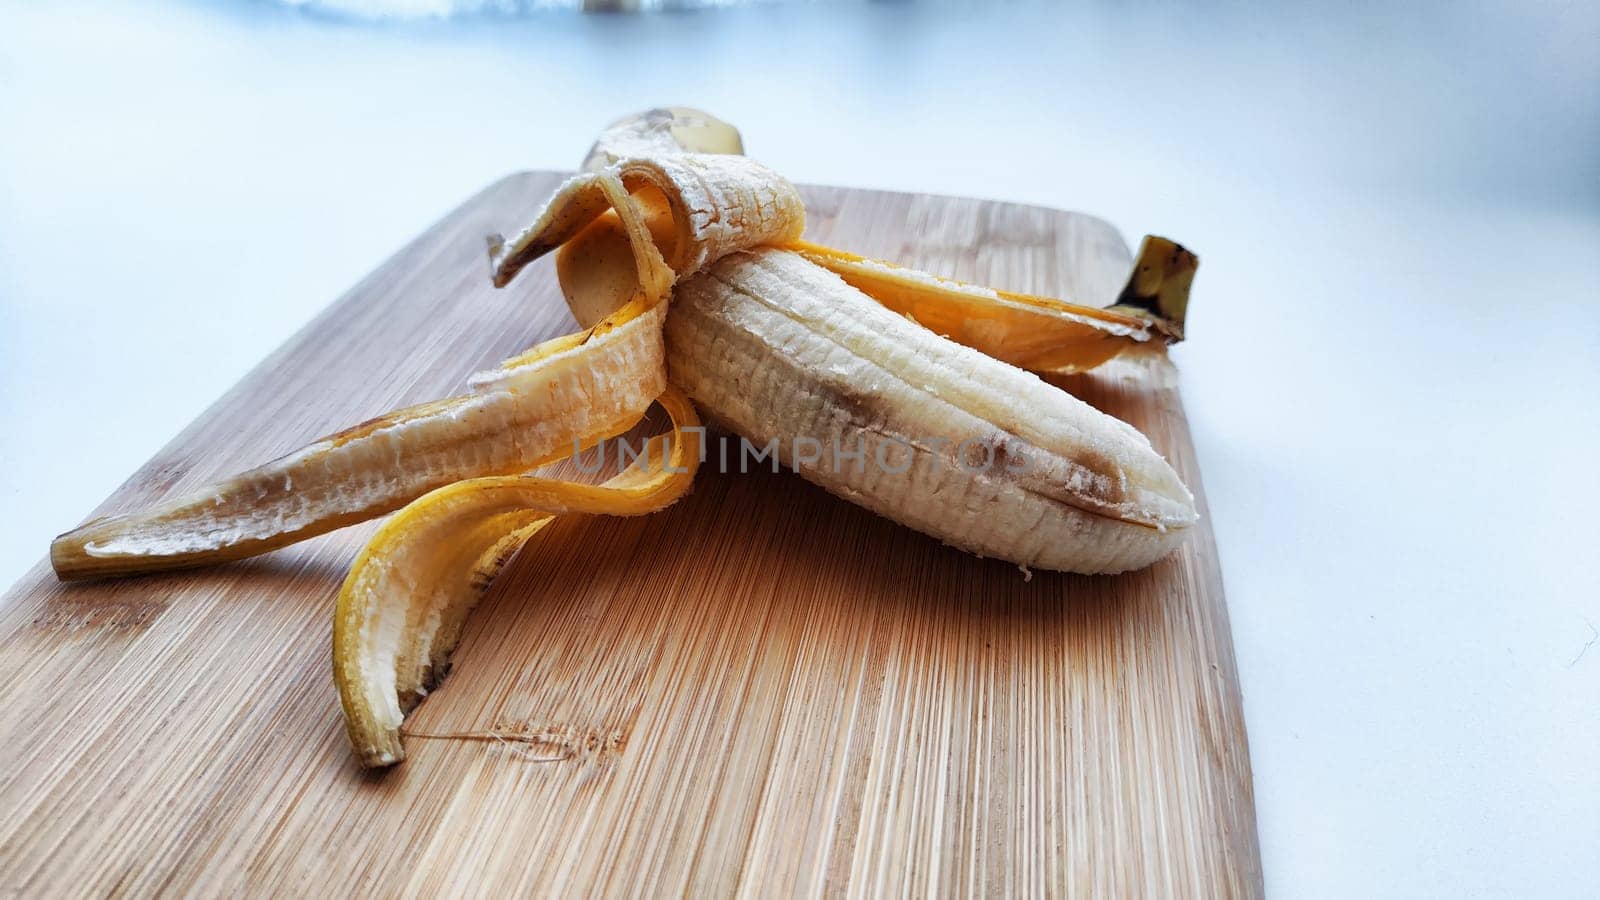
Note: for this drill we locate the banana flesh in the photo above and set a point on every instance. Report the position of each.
(936, 436)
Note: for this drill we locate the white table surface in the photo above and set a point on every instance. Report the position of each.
(1392, 374)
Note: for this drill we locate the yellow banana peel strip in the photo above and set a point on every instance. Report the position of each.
(566, 392)
(1039, 334)
(401, 609)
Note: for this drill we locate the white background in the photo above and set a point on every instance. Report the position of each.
(1392, 374)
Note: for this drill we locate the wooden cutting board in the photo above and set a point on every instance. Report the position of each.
(763, 690)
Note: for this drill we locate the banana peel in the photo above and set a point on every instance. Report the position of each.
(401, 609)
(569, 392)
(1040, 334)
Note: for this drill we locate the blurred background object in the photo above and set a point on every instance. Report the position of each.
(1392, 358)
(443, 9)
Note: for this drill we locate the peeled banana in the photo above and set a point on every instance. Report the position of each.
(937, 436)
(910, 394)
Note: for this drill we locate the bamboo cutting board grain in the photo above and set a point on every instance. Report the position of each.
(763, 690)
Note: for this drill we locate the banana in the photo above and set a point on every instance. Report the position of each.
(931, 434)
(912, 395)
